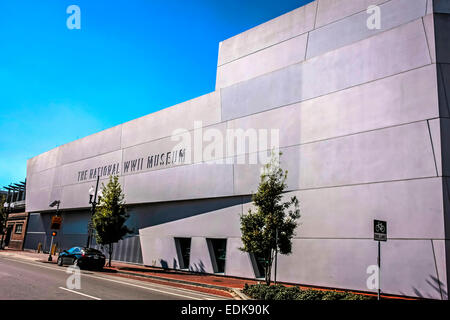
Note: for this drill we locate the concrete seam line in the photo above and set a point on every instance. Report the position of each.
(80, 293)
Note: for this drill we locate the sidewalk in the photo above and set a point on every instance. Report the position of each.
(224, 286)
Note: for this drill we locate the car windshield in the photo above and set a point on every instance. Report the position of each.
(74, 250)
(91, 251)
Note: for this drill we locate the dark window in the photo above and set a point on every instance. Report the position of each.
(91, 251)
(183, 246)
(218, 251)
(18, 228)
(258, 262)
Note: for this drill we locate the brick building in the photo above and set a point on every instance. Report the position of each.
(17, 217)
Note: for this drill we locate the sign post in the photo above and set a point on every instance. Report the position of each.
(379, 234)
(56, 225)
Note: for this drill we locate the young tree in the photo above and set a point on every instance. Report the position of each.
(260, 227)
(110, 217)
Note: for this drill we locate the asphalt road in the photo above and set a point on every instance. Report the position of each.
(33, 280)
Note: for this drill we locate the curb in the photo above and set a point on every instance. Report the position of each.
(210, 286)
(240, 294)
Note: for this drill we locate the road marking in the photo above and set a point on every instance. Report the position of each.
(80, 293)
(187, 295)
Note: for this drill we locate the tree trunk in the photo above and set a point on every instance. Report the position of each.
(268, 268)
(110, 254)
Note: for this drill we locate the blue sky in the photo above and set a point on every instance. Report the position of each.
(130, 58)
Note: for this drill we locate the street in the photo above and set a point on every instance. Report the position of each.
(32, 280)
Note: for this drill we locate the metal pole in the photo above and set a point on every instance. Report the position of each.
(3, 223)
(379, 269)
(276, 254)
(94, 203)
(50, 250)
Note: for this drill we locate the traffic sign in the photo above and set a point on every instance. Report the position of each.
(379, 230)
(56, 222)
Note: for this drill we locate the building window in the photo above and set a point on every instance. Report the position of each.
(18, 229)
(183, 246)
(218, 250)
(258, 263)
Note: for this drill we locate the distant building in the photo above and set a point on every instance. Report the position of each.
(361, 115)
(16, 223)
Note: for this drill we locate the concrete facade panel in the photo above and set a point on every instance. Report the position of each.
(280, 29)
(77, 195)
(185, 182)
(100, 143)
(220, 223)
(272, 58)
(326, 212)
(395, 153)
(354, 28)
(163, 123)
(186, 141)
(41, 186)
(71, 173)
(440, 282)
(435, 136)
(152, 249)
(407, 267)
(401, 99)
(237, 260)
(428, 22)
(380, 56)
(329, 11)
(430, 6)
(44, 161)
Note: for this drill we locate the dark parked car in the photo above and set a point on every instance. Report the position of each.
(82, 257)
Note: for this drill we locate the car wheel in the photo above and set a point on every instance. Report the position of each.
(59, 261)
(76, 263)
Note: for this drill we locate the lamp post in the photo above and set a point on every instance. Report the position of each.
(93, 194)
(54, 203)
(5, 210)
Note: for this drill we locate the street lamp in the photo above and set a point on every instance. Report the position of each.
(2, 227)
(51, 205)
(93, 195)
(7, 209)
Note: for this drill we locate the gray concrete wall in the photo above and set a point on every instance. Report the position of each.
(362, 126)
